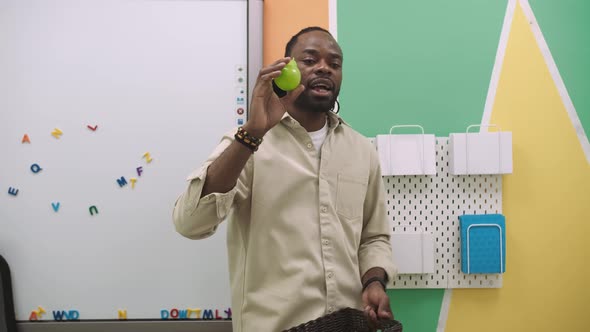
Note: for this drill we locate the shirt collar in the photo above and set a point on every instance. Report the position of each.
(334, 120)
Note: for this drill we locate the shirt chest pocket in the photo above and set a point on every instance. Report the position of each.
(350, 195)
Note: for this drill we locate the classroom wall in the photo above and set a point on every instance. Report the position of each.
(455, 63)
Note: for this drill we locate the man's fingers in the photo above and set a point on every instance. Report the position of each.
(267, 70)
(384, 310)
(284, 60)
(371, 316)
(277, 65)
(270, 76)
(383, 314)
(263, 84)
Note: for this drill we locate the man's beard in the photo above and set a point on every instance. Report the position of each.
(307, 103)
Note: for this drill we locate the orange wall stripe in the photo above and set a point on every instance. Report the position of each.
(284, 18)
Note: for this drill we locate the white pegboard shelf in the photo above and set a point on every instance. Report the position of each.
(433, 204)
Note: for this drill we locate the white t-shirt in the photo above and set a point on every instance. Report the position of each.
(318, 137)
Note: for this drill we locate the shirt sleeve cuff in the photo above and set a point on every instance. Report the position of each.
(223, 201)
(370, 261)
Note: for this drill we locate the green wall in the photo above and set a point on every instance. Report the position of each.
(417, 62)
(566, 27)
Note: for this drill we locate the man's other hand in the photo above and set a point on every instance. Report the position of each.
(376, 304)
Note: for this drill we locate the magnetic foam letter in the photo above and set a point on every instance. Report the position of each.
(133, 180)
(56, 133)
(182, 314)
(122, 314)
(197, 312)
(139, 170)
(37, 314)
(55, 206)
(74, 315)
(228, 313)
(26, 139)
(35, 168)
(12, 191)
(164, 314)
(58, 315)
(207, 314)
(217, 314)
(122, 182)
(93, 208)
(174, 313)
(147, 157)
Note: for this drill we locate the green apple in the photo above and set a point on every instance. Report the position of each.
(290, 77)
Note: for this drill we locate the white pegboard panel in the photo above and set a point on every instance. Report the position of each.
(433, 204)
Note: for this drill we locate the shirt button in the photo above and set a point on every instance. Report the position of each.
(309, 145)
(330, 275)
(330, 309)
(324, 209)
(326, 242)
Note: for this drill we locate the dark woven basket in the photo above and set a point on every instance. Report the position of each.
(345, 320)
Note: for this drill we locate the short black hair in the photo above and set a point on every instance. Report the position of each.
(293, 40)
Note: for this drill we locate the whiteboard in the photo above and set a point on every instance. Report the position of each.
(118, 79)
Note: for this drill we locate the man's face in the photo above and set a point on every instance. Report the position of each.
(320, 61)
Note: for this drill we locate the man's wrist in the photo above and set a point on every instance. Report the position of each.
(375, 272)
(258, 133)
(375, 280)
(247, 139)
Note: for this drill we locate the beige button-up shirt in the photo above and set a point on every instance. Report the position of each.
(303, 229)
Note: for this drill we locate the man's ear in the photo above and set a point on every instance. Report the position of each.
(278, 91)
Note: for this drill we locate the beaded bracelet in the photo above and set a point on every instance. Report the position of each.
(249, 141)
